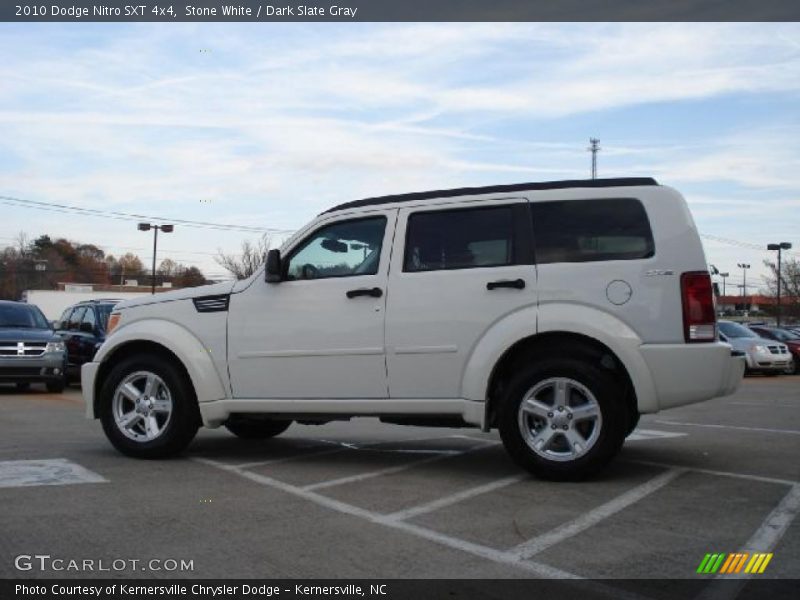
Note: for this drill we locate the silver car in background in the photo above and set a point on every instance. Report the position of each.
(762, 355)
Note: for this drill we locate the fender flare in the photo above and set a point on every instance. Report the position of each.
(196, 359)
(552, 318)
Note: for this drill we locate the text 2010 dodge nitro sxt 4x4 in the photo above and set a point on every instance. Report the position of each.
(554, 312)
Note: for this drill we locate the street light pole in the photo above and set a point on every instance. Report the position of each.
(724, 277)
(155, 228)
(779, 247)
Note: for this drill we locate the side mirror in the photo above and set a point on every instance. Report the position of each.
(273, 271)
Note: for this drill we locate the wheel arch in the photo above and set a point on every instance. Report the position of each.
(168, 340)
(555, 344)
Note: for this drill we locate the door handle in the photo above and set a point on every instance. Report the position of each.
(517, 284)
(374, 292)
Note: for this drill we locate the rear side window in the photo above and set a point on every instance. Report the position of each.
(462, 239)
(591, 230)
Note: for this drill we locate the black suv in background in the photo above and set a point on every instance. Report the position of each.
(30, 352)
(83, 329)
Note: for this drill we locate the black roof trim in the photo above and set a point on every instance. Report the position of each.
(498, 189)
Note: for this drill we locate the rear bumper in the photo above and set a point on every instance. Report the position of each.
(48, 367)
(688, 373)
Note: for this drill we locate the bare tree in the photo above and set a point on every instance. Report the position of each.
(790, 284)
(248, 262)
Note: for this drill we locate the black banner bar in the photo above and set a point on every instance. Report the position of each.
(395, 589)
(132, 11)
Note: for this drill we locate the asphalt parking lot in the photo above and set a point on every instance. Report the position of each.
(368, 500)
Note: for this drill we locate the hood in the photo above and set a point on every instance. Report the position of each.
(747, 343)
(183, 294)
(23, 334)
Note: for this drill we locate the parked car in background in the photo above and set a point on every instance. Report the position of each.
(82, 326)
(30, 352)
(791, 339)
(762, 355)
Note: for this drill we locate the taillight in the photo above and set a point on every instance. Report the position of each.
(699, 315)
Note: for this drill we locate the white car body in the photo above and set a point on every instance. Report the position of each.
(431, 342)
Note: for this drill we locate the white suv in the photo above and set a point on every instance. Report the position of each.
(555, 312)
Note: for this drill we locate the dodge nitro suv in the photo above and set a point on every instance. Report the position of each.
(553, 312)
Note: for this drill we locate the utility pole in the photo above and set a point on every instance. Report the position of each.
(594, 148)
(779, 247)
(744, 267)
(724, 277)
(155, 228)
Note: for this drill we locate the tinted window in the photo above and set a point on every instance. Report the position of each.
(22, 315)
(591, 230)
(76, 318)
(460, 239)
(342, 249)
(89, 317)
(63, 322)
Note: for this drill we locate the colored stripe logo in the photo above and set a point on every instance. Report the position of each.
(731, 563)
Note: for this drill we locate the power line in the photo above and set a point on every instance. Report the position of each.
(122, 216)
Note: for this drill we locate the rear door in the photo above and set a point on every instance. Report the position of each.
(456, 269)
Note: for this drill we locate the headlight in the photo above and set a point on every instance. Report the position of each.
(113, 321)
(55, 347)
(761, 349)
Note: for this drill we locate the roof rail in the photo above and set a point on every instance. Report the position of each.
(495, 189)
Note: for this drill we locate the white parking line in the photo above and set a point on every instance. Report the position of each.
(492, 554)
(378, 473)
(55, 471)
(593, 517)
(651, 463)
(653, 434)
(421, 509)
(716, 426)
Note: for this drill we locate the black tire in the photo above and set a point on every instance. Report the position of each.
(23, 387)
(609, 397)
(633, 422)
(56, 387)
(254, 428)
(183, 422)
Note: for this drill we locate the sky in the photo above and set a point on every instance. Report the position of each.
(265, 125)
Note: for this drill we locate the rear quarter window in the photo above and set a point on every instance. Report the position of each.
(591, 230)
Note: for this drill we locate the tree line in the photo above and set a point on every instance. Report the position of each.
(44, 263)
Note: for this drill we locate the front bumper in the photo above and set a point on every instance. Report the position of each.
(28, 369)
(88, 376)
(688, 373)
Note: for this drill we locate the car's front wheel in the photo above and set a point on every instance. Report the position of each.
(148, 408)
(563, 419)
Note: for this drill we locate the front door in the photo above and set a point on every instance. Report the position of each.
(319, 333)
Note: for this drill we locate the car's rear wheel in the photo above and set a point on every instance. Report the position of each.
(256, 428)
(563, 419)
(148, 408)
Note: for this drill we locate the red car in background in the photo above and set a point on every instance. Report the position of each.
(791, 339)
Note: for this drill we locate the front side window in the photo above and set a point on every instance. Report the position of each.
(89, 321)
(734, 330)
(343, 249)
(76, 318)
(460, 239)
(591, 230)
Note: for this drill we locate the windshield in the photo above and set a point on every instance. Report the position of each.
(785, 336)
(734, 330)
(23, 316)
